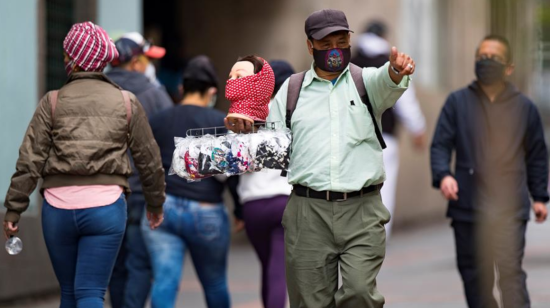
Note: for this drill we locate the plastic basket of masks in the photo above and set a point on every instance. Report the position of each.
(199, 156)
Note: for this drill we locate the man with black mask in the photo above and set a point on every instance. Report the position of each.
(335, 216)
(501, 159)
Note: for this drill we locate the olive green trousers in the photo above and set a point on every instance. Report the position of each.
(319, 236)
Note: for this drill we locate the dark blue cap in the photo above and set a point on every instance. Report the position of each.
(127, 49)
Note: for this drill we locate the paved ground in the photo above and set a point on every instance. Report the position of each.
(419, 272)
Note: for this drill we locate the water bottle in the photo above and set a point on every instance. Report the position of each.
(14, 245)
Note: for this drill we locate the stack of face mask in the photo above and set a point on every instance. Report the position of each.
(196, 158)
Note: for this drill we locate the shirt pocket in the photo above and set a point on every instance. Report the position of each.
(360, 127)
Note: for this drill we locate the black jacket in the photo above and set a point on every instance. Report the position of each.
(152, 98)
(500, 149)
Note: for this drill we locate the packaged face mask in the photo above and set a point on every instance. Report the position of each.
(212, 158)
(239, 159)
(192, 160)
(178, 166)
(273, 152)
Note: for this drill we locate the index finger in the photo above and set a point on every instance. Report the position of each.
(393, 54)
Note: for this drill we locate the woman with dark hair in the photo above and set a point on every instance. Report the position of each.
(77, 142)
(196, 217)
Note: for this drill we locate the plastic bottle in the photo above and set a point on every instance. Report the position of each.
(14, 245)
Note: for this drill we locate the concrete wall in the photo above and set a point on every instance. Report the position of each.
(30, 272)
(120, 16)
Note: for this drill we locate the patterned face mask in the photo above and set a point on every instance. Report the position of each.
(250, 95)
(332, 60)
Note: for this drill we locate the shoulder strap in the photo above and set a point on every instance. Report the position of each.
(53, 101)
(128, 106)
(294, 87)
(357, 75)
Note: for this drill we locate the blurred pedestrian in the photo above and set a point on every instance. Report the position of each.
(501, 157)
(374, 51)
(196, 218)
(335, 215)
(131, 279)
(77, 142)
(264, 196)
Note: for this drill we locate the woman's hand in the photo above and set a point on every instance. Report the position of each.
(155, 219)
(10, 229)
(238, 225)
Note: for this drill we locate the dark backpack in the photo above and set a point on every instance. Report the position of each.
(295, 85)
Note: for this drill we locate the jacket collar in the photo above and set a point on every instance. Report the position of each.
(312, 75)
(91, 75)
(510, 91)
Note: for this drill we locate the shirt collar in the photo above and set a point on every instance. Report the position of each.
(312, 75)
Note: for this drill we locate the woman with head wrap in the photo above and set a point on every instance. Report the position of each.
(77, 142)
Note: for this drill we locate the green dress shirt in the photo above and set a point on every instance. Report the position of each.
(334, 143)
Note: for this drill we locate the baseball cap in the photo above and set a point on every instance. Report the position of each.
(201, 68)
(322, 23)
(133, 44)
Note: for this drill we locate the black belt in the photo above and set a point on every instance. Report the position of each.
(304, 191)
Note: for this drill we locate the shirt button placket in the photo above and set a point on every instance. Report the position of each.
(334, 144)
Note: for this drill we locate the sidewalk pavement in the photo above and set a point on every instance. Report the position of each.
(419, 272)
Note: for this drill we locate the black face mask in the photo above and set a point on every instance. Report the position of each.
(332, 60)
(489, 71)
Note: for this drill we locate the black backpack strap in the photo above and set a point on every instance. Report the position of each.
(357, 75)
(294, 87)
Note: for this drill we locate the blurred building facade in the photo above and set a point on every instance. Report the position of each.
(440, 35)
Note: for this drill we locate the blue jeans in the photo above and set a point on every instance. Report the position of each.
(204, 231)
(131, 279)
(83, 245)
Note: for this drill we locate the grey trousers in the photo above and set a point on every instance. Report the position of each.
(319, 236)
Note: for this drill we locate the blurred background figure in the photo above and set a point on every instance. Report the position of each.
(131, 279)
(374, 51)
(196, 218)
(264, 196)
(501, 161)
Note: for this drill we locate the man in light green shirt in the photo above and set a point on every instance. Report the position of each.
(335, 216)
(334, 143)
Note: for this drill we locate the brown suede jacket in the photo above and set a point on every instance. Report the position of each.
(86, 143)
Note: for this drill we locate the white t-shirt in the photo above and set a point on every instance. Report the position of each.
(262, 185)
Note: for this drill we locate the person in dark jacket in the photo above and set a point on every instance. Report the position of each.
(131, 279)
(501, 159)
(197, 221)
